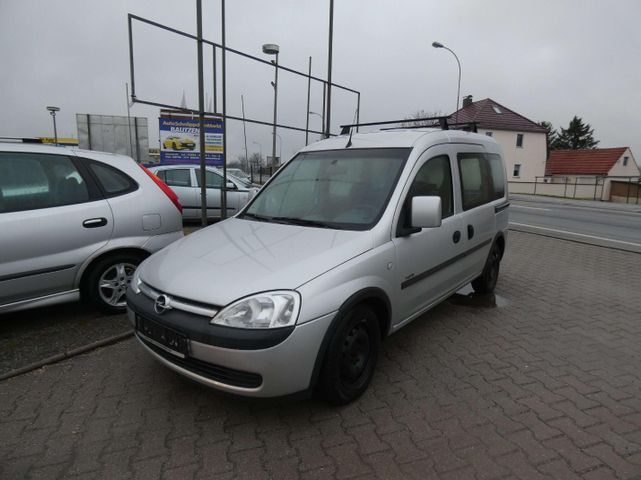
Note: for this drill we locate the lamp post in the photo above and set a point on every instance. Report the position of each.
(273, 49)
(260, 163)
(52, 111)
(458, 91)
(280, 147)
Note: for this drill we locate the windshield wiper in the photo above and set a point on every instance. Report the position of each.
(253, 216)
(300, 221)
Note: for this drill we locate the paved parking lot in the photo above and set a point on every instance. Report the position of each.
(544, 381)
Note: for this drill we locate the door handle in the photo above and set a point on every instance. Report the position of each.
(470, 232)
(456, 237)
(95, 222)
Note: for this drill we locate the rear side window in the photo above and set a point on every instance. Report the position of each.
(30, 181)
(112, 181)
(179, 177)
(482, 178)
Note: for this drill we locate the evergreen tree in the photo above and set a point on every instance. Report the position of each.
(552, 135)
(577, 135)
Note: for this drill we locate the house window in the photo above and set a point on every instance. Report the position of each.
(517, 170)
(519, 140)
(496, 109)
(489, 134)
(625, 161)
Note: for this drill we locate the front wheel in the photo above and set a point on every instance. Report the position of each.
(486, 282)
(106, 284)
(351, 356)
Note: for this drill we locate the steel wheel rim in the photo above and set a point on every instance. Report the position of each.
(355, 352)
(113, 283)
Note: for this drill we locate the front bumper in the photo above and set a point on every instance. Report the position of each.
(280, 369)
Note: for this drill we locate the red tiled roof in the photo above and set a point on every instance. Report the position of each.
(484, 114)
(595, 161)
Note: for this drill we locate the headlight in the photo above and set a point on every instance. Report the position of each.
(263, 310)
(135, 281)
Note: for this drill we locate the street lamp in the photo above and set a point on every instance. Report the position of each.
(458, 91)
(280, 147)
(273, 49)
(52, 111)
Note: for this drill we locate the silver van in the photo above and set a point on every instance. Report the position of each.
(352, 239)
(77, 223)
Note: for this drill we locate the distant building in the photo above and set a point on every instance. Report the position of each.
(524, 142)
(589, 166)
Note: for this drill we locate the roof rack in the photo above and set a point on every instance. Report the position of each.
(438, 122)
(20, 140)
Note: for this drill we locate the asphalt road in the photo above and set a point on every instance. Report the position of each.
(589, 221)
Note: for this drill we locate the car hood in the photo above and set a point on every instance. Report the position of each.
(236, 258)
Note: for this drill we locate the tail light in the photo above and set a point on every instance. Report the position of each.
(163, 186)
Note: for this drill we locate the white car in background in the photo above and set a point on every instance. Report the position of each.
(184, 180)
(76, 223)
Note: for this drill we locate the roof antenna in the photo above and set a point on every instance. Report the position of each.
(349, 142)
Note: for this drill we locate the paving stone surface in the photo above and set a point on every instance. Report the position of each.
(545, 384)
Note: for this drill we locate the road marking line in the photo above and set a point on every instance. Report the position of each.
(574, 233)
(531, 208)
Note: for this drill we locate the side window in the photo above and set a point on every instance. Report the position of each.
(212, 179)
(434, 178)
(113, 181)
(30, 181)
(179, 177)
(482, 178)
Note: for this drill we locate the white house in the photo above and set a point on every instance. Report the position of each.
(524, 142)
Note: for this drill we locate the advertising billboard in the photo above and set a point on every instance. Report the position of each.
(114, 134)
(179, 140)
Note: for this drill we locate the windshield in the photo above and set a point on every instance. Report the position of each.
(343, 189)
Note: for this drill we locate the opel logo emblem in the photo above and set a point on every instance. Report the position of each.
(163, 303)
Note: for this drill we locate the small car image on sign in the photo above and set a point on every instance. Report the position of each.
(178, 143)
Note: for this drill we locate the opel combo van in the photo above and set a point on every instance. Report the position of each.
(352, 239)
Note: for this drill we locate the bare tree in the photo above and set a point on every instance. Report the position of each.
(420, 113)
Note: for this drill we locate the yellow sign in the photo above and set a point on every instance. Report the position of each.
(61, 140)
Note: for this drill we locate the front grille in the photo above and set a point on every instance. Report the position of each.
(225, 375)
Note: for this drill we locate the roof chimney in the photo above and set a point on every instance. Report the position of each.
(467, 101)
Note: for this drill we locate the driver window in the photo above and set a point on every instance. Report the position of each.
(435, 179)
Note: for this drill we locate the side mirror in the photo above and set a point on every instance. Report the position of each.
(426, 212)
(231, 185)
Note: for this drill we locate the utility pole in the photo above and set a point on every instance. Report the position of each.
(329, 70)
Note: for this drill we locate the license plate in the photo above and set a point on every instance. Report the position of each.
(174, 342)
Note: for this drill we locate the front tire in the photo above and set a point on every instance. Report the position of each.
(486, 282)
(106, 284)
(351, 356)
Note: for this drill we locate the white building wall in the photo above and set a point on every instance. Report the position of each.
(531, 156)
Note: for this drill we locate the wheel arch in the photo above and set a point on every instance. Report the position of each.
(141, 252)
(371, 296)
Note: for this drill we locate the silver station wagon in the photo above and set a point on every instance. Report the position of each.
(352, 239)
(77, 223)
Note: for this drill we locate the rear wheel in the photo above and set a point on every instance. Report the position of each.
(486, 282)
(106, 284)
(351, 356)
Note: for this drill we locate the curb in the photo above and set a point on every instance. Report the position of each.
(621, 246)
(601, 206)
(68, 354)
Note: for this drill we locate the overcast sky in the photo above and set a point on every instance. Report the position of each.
(547, 60)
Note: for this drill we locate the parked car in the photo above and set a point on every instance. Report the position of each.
(178, 143)
(185, 181)
(349, 241)
(77, 223)
(238, 173)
